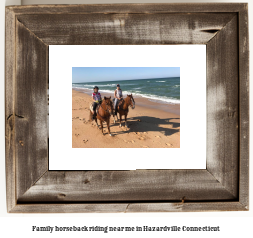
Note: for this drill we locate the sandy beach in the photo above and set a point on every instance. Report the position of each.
(151, 125)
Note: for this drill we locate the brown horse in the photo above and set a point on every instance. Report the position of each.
(104, 112)
(123, 108)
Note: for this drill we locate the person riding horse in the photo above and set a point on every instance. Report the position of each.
(117, 97)
(97, 99)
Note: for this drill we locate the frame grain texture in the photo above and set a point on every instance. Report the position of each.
(223, 186)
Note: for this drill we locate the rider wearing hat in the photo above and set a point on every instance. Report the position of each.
(96, 96)
(118, 96)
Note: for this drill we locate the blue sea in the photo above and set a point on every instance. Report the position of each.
(165, 90)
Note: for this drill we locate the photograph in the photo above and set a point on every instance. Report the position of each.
(125, 107)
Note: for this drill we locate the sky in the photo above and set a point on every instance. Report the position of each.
(98, 74)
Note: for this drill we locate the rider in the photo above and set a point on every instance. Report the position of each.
(96, 96)
(118, 96)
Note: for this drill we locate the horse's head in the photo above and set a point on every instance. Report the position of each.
(131, 99)
(108, 103)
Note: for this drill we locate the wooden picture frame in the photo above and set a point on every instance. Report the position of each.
(223, 186)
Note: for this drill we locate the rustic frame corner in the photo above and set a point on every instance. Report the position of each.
(223, 186)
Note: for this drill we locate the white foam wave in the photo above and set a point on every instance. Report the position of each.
(81, 88)
(160, 81)
(106, 91)
(106, 85)
(160, 98)
(154, 97)
(84, 85)
(137, 94)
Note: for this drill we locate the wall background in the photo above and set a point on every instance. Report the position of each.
(2, 138)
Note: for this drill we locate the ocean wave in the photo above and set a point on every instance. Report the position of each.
(126, 84)
(92, 86)
(151, 97)
(101, 85)
(84, 85)
(106, 91)
(160, 81)
(106, 85)
(161, 98)
(81, 88)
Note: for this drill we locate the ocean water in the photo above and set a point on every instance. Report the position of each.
(166, 90)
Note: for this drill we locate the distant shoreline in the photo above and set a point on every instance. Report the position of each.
(141, 101)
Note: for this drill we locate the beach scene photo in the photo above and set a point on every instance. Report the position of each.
(125, 107)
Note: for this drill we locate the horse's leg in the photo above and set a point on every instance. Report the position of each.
(120, 116)
(90, 115)
(117, 114)
(101, 123)
(108, 126)
(114, 119)
(126, 120)
(96, 120)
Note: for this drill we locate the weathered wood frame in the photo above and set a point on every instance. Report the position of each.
(222, 186)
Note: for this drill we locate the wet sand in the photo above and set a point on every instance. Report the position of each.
(151, 125)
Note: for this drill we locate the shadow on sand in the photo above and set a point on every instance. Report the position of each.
(145, 124)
